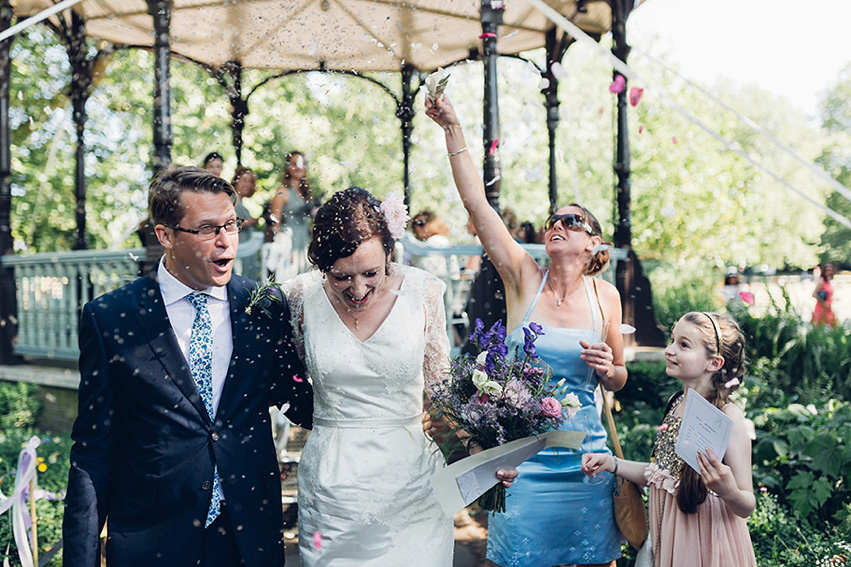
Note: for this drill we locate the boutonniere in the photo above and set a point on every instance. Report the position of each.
(262, 296)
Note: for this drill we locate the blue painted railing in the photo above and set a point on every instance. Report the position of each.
(52, 287)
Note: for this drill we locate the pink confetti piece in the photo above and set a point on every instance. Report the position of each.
(674, 139)
(317, 539)
(635, 94)
(747, 297)
(640, 128)
(488, 36)
(493, 147)
(618, 85)
(297, 379)
(663, 427)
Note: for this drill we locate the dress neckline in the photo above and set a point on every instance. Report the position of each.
(380, 325)
(594, 314)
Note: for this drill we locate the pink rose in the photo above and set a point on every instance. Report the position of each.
(551, 407)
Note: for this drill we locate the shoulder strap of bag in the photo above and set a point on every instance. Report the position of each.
(609, 418)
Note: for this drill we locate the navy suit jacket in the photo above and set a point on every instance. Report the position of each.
(144, 446)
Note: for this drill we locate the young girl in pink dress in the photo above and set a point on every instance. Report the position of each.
(699, 520)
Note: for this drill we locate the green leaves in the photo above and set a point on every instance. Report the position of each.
(808, 493)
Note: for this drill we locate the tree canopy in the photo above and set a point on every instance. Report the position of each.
(694, 203)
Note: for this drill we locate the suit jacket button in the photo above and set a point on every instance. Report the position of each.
(214, 436)
(206, 485)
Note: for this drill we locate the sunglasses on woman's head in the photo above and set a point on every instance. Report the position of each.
(570, 221)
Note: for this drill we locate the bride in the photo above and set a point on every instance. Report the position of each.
(374, 336)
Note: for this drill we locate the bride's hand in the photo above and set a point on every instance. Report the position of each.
(441, 111)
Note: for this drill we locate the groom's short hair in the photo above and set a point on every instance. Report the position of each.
(166, 188)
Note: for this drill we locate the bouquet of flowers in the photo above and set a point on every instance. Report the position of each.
(496, 398)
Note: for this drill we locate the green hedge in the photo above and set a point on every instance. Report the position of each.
(20, 405)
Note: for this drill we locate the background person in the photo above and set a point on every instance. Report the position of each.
(291, 207)
(823, 313)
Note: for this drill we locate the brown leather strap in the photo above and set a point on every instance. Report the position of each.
(609, 418)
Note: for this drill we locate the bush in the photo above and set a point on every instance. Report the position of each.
(803, 455)
(19, 408)
(780, 539)
(19, 405)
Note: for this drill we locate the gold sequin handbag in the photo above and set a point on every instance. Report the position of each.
(629, 509)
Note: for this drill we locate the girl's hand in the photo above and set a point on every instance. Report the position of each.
(595, 463)
(441, 111)
(598, 356)
(717, 476)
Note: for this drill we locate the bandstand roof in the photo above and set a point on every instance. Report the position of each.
(361, 35)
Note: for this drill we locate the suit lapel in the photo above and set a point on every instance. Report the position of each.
(238, 381)
(155, 324)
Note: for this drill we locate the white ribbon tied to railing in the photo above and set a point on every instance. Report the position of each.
(21, 520)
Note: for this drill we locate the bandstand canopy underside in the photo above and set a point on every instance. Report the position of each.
(360, 35)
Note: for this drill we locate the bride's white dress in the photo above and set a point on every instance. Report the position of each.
(363, 479)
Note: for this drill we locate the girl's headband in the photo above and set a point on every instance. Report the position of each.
(717, 333)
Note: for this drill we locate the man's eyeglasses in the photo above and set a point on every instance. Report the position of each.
(419, 222)
(570, 221)
(210, 231)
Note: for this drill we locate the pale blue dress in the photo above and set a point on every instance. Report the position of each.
(554, 514)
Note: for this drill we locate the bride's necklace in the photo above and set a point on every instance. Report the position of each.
(560, 300)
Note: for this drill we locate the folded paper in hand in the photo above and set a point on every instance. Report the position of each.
(459, 484)
(704, 426)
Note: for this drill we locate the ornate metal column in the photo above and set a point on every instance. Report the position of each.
(405, 112)
(556, 48)
(8, 296)
(230, 78)
(491, 19)
(633, 285)
(160, 10)
(81, 83)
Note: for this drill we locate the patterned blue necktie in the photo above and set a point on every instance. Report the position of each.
(201, 366)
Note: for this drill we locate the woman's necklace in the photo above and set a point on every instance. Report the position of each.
(560, 300)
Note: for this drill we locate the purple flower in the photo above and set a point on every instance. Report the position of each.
(537, 329)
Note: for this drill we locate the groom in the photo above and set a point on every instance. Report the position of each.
(172, 444)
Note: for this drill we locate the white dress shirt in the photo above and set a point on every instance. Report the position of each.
(181, 313)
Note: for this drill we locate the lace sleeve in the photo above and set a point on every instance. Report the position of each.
(436, 359)
(294, 289)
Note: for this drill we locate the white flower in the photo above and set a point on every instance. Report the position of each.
(492, 388)
(436, 83)
(482, 358)
(480, 378)
(395, 214)
(571, 403)
(732, 382)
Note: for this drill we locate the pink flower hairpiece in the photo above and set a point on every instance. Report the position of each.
(395, 214)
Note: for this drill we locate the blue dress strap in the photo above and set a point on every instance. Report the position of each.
(535, 301)
(596, 316)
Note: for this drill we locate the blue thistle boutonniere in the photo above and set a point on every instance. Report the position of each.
(262, 296)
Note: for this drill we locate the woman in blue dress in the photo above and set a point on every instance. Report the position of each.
(553, 515)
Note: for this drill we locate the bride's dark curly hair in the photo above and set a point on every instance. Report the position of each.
(348, 218)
